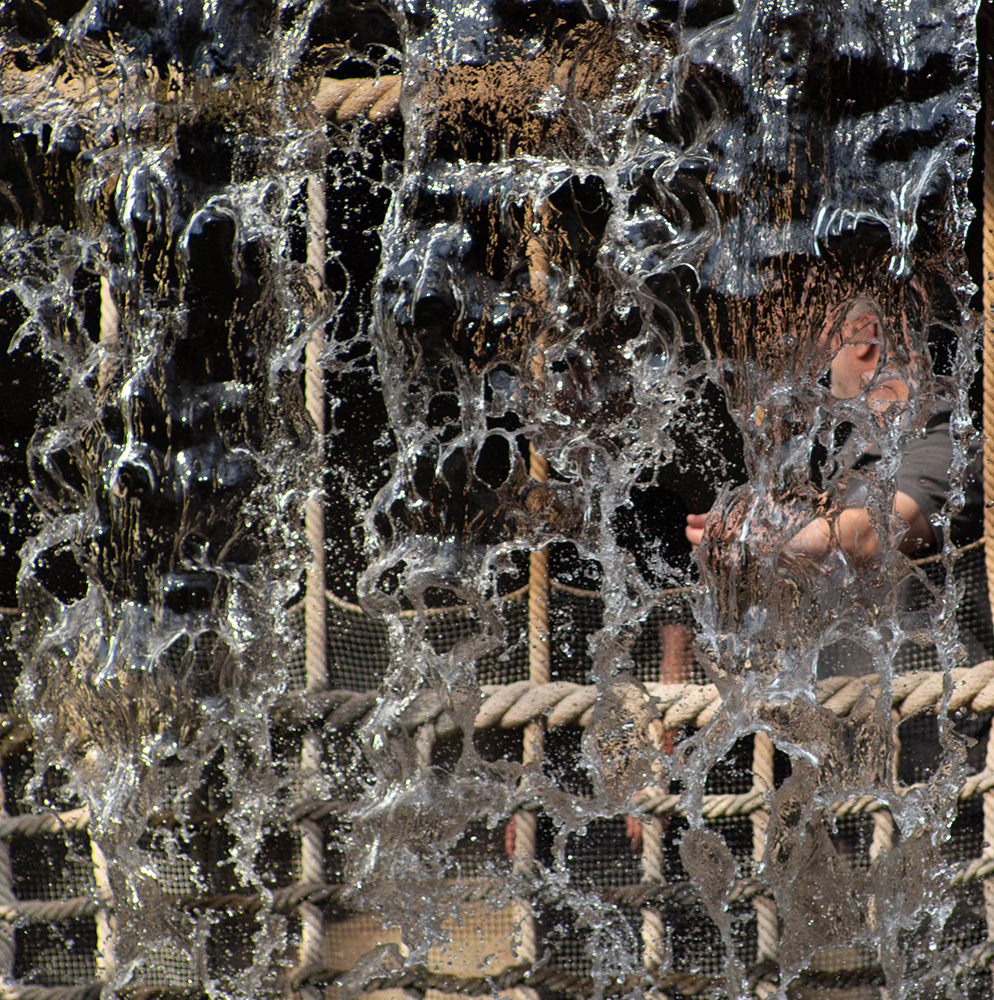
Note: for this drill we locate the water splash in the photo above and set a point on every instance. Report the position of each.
(588, 278)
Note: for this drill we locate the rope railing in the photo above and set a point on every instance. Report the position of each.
(562, 703)
(682, 894)
(373, 98)
(565, 703)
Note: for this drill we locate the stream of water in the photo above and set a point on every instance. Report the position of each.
(364, 361)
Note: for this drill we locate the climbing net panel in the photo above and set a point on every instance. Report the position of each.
(59, 905)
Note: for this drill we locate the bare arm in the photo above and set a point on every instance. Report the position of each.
(856, 537)
(854, 534)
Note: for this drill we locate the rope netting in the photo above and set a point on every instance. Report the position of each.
(60, 910)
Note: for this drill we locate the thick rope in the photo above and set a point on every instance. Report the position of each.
(767, 924)
(344, 101)
(30, 824)
(563, 703)
(653, 926)
(315, 614)
(106, 922)
(315, 606)
(533, 735)
(7, 899)
(882, 840)
(110, 360)
(988, 340)
(44, 911)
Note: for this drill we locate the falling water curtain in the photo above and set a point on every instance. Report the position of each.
(364, 361)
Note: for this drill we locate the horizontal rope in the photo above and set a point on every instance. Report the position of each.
(374, 98)
(44, 911)
(682, 894)
(555, 980)
(652, 800)
(282, 900)
(421, 979)
(91, 991)
(564, 703)
(29, 824)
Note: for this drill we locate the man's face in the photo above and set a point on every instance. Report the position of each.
(855, 364)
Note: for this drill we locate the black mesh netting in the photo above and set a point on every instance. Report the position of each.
(604, 855)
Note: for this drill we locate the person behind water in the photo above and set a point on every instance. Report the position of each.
(923, 480)
(923, 484)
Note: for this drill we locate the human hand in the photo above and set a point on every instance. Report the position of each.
(813, 542)
(695, 529)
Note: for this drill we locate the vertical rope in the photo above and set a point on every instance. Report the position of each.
(988, 335)
(106, 959)
(533, 737)
(883, 833)
(988, 843)
(7, 898)
(767, 927)
(675, 664)
(525, 821)
(315, 603)
(653, 928)
(424, 744)
(881, 842)
(110, 320)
